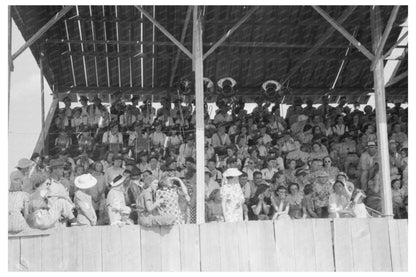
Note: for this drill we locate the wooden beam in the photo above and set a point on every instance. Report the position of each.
(42, 90)
(381, 118)
(230, 32)
(397, 79)
(42, 30)
(347, 12)
(165, 32)
(40, 145)
(183, 35)
(199, 106)
(345, 33)
(10, 67)
(395, 45)
(386, 33)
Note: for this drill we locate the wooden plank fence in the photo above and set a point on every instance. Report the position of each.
(292, 245)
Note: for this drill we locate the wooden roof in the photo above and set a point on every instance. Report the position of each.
(99, 48)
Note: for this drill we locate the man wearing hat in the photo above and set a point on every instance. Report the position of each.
(83, 200)
(232, 196)
(366, 163)
(133, 190)
(22, 173)
(118, 211)
(323, 188)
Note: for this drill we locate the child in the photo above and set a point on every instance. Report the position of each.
(398, 195)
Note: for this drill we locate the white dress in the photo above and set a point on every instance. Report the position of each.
(233, 199)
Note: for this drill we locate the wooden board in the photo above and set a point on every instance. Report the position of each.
(403, 238)
(343, 245)
(151, 249)
(243, 250)
(228, 247)
(91, 248)
(130, 248)
(305, 246)
(261, 245)
(72, 249)
(285, 245)
(395, 245)
(111, 248)
(210, 247)
(324, 253)
(31, 253)
(14, 254)
(170, 248)
(52, 259)
(189, 244)
(361, 244)
(380, 244)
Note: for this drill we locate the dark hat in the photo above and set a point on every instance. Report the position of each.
(231, 160)
(66, 99)
(135, 97)
(83, 98)
(117, 157)
(76, 109)
(169, 162)
(143, 153)
(56, 163)
(113, 124)
(301, 171)
(96, 98)
(190, 159)
(130, 162)
(135, 171)
(153, 157)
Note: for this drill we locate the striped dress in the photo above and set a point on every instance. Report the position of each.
(17, 202)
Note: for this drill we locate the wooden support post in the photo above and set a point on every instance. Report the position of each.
(165, 32)
(10, 67)
(199, 106)
(42, 91)
(40, 145)
(380, 45)
(381, 118)
(345, 33)
(42, 30)
(230, 32)
(183, 35)
(321, 41)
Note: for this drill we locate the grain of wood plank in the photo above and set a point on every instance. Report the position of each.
(380, 244)
(394, 245)
(324, 254)
(361, 244)
(403, 238)
(52, 259)
(14, 254)
(31, 253)
(130, 248)
(189, 243)
(305, 246)
(210, 247)
(111, 248)
(170, 248)
(151, 249)
(91, 248)
(262, 250)
(343, 245)
(72, 249)
(228, 247)
(243, 250)
(285, 245)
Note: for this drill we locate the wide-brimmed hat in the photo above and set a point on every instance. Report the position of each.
(118, 180)
(85, 181)
(232, 172)
(24, 163)
(56, 163)
(371, 144)
(135, 172)
(322, 173)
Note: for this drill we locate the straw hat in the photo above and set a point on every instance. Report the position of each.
(117, 181)
(85, 181)
(24, 163)
(232, 172)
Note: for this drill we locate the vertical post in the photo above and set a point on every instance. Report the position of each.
(42, 90)
(199, 106)
(380, 101)
(10, 67)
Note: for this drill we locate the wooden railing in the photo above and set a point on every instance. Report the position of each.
(299, 245)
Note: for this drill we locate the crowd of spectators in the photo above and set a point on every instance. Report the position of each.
(131, 164)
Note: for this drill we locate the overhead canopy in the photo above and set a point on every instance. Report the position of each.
(108, 48)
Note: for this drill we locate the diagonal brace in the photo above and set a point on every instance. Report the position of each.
(165, 32)
(395, 45)
(345, 33)
(229, 33)
(396, 79)
(42, 30)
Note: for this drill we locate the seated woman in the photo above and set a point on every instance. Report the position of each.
(280, 204)
(319, 151)
(308, 202)
(117, 210)
(213, 207)
(83, 200)
(260, 206)
(328, 168)
(294, 199)
(338, 203)
(147, 208)
(18, 207)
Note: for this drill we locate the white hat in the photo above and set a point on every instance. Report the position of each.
(85, 181)
(118, 180)
(232, 172)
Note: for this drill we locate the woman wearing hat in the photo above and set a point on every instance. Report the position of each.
(118, 211)
(83, 200)
(232, 196)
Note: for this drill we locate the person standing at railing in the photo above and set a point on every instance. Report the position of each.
(117, 210)
(232, 196)
(83, 200)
